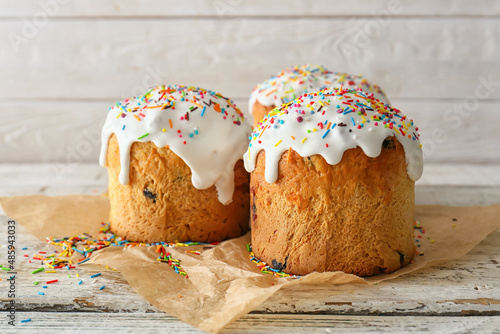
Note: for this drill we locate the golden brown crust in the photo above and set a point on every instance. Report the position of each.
(259, 111)
(160, 202)
(356, 216)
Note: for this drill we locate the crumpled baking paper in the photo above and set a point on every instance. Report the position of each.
(223, 284)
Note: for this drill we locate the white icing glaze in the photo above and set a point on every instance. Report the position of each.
(295, 81)
(203, 128)
(328, 123)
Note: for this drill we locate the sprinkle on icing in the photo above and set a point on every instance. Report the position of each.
(289, 84)
(328, 123)
(202, 127)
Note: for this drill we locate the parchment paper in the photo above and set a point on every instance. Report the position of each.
(223, 284)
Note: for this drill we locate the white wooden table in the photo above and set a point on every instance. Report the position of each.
(454, 296)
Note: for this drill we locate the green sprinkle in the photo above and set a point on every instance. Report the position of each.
(5, 268)
(35, 283)
(38, 270)
(145, 135)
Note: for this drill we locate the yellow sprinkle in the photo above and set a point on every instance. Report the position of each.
(453, 225)
(77, 275)
(303, 140)
(432, 241)
(50, 271)
(321, 103)
(314, 130)
(107, 267)
(249, 156)
(420, 145)
(364, 119)
(164, 130)
(119, 115)
(279, 142)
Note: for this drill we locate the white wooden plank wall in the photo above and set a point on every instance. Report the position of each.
(64, 62)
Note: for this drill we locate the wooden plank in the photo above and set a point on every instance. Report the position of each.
(69, 131)
(469, 285)
(472, 178)
(420, 58)
(444, 184)
(263, 323)
(258, 8)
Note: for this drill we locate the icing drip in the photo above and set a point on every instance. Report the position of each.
(328, 123)
(202, 127)
(295, 81)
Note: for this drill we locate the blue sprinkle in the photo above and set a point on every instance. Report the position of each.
(353, 123)
(45, 287)
(196, 132)
(25, 320)
(41, 293)
(191, 135)
(102, 287)
(325, 134)
(203, 111)
(25, 248)
(80, 283)
(95, 275)
(333, 125)
(123, 127)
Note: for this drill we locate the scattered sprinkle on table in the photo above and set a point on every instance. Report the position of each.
(265, 268)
